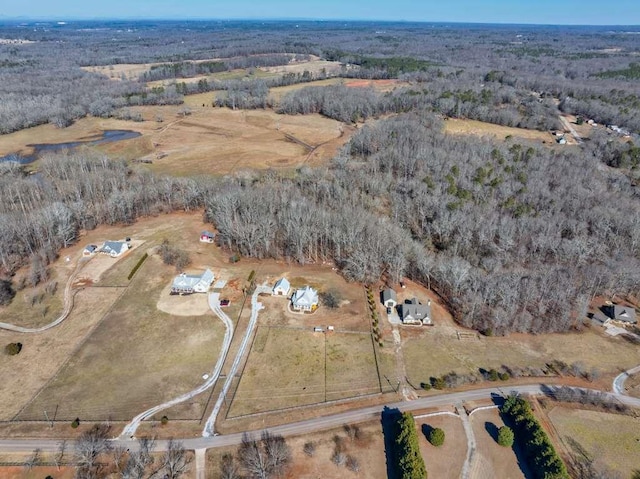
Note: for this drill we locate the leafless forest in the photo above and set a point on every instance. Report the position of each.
(514, 236)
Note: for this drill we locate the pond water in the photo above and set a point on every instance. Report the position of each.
(107, 136)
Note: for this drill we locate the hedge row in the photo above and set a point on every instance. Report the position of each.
(410, 462)
(137, 266)
(541, 456)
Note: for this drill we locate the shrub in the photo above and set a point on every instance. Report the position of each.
(436, 437)
(425, 386)
(164, 420)
(331, 299)
(492, 375)
(137, 266)
(6, 292)
(309, 448)
(234, 258)
(13, 349)
(503, 376)
(505, 436)
(438, 383)
(174, 256)
(75, 423)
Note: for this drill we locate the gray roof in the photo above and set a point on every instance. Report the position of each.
(207, 233)
(114, 247)
(415, 310)
(624, 313)
(388, 294)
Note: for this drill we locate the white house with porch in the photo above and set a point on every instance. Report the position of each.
(114, 248)
(187, 283)
(305, 299)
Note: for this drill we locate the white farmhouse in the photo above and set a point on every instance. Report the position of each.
(305, 299)
(114, 248)
(187, 284)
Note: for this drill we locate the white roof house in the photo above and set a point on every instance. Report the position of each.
(114, 248)
(305, 299)
(187, 283)
(282, 287)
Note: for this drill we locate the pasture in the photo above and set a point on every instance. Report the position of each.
(610, 439)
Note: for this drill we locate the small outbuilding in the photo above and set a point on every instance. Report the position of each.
(115, 248)
(89, 250)
(389, 298)
(188, 284)
(281, 288)
(414, 312)
(305, 299)
(207, 237)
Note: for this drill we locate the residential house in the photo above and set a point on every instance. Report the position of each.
(281, 288)
(114, 248)
(89, 250)
(389, 298)
(207, 237)
(414, 312)
(619, 314)
(187, 284)
(305, 299)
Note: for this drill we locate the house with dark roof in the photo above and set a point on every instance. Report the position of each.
(89, 250)
(389, 298)
(620, 314)
(414, 312)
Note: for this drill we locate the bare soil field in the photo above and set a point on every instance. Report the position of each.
(492, 460)
(445, 461)
(611, 439)
(479, 128)
(378, 85)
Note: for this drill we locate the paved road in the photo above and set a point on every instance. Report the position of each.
(68, 305)
(319, 423)
(209, 427)
(618, 382)
(214, 303)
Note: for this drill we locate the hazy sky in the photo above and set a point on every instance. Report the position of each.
(593, 12)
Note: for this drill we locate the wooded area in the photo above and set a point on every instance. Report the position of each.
(513, 236)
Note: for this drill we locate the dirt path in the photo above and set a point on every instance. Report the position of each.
(201, 463)
(618, 382)
(209, 427)
(214, 303)
(471, 443)
(68, 306)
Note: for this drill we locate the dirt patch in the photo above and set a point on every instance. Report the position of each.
(314, 66)
(378, 85)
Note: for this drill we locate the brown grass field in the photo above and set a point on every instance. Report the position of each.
(19, 472)
(437, 350)
(610, 439)
(479, 128)
(209, 141)
(493, 460)
(445, 461)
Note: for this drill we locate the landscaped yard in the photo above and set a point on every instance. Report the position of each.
(446, 461)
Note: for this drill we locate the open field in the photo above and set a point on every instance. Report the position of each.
(137, 357)
(209, 141)
(479, 128)
(437, 350)
(493, 460)
(19, 472)
(446, 461)
(131, 70)
(611, 439)
(238, 74)
(277, 93)
(315, 66)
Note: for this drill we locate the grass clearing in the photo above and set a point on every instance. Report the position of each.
(444, 462)
(480, 128)
(137, 357)
(612, 439)
(437, 350)
(350, 366)
(493, 460)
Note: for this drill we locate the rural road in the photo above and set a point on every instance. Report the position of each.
(68, 305)
(319, 423)
(214, 303)
(209, 427)
(618, 382)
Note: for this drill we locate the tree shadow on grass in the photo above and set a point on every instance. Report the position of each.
(389, 422)
(492, 429)
(426, 430)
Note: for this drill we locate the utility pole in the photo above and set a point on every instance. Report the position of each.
(48, 420)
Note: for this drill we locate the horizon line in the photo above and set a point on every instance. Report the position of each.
(22, 18)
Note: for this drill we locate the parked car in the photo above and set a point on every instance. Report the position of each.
(224, 302)
(389, 310)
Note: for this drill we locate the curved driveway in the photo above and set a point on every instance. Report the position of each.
(618, 382)
(214, 303)
(68, 305)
